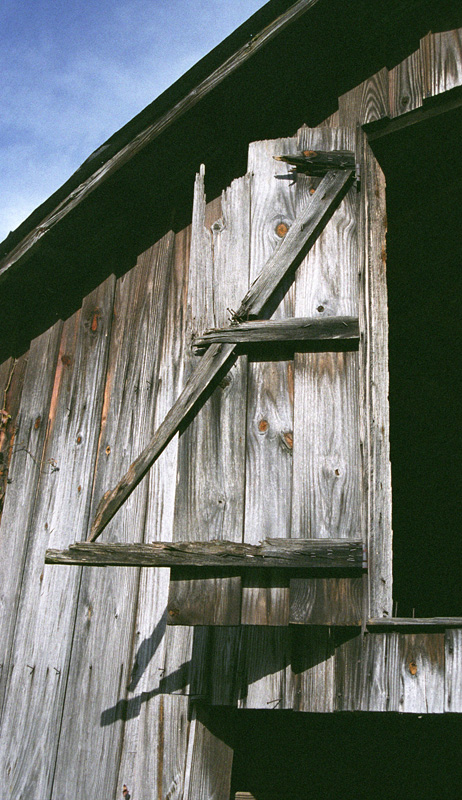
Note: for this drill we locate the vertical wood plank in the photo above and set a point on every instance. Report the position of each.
(373, 384)
(95, 705)
(209, 499)
(313, 669)
(453, 671)
(24, 474)
(442, 61)
(209, 760)
(416, 672)
(43, 635)
(147, 714)
(326, 458)
(264, 668)
(406, 85)
(367, 102)
(361, 672)
(270, 392)
(11, 383)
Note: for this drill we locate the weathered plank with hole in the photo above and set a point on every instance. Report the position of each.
(43, 635)
(299, 329)
(301, 236)
(405, 83)
(152, 716)
(210, 481)
(324, 554)
(268, 468)
(307, 229)
(415, 664)
(24, 473)
(103, 643)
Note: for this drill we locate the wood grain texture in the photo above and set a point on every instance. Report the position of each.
(326, 601)
(453, 671)
(312, 666)
(23, 250)
(24, 472)
(299, 329)
(209, 760)
(11, 382)
(413, 623)
(152, 716)
(263, 667)
(415, 663)
(268, 469)
(312, 554)
(373, 384)
(405, 83)
(326, 455)
(367, 102)
(306, 229)
(47, 605)
(441, 55)
(103, 642)
(210, 480)
(361, 671)
(298, 240)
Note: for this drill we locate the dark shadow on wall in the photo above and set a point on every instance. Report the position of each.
(252, 653)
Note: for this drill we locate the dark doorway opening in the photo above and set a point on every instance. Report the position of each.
(282, 755)
(423, 169)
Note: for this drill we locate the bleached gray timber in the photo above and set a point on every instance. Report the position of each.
(299, 329)
(313, 554)
(102, 652)
(153, 716)
(24, 474)
(326, 452)
(209, 760)
(43, 634)
(210, 481)
(268, 468)
(283, 262)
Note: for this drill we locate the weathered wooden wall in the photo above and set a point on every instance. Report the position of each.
(94, 692)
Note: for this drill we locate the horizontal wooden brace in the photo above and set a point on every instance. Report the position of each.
(297, 329)
(387, 624)
(318, 554)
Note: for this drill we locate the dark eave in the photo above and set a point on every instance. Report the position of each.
(287, 65)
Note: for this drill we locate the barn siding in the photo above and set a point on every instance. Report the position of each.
(95, 694)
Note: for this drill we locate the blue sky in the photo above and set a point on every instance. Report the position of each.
(75, 71)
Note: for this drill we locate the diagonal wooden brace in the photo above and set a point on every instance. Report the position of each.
(284, 261)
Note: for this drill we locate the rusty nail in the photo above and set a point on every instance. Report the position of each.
(37, 423)
(79, 439)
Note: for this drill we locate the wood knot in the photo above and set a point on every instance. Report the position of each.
(263, 425)
(281, 229)
(108, 450)
(173, 612)
(289, 439)
(37, 423)
(66, 360)
(413, 668)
